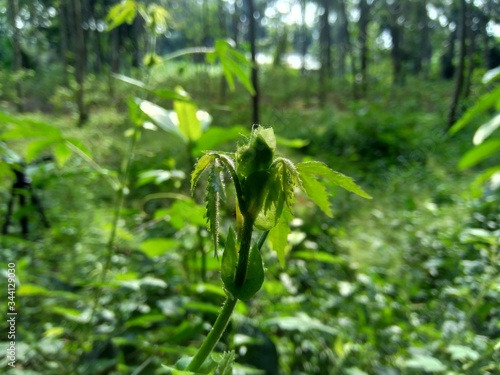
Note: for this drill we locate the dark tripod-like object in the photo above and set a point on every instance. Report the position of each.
(22, 188)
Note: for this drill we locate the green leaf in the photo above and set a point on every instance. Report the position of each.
(155, 247)
(234, 64)
(278, 240)
(203, 163)
(215, 192)
(25, 128)
(479, 153)
(62, 154)
(35, 148)
(255, 276)
(189, 124)
(292, 143)
(491, 75)
(229, 262)
(461, 353)
(214, 136)
(79, 145)
(255, 271)
(121, 13)
(145, 321)
(319, 256)
(484, 103)
(301, 322)
(321, 169)
(266, 197)
(225, 366)
(316, 192)
(425, 363)
(486, 130)
(163, 118)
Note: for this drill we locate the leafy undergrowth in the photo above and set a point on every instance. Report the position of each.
(404, 284)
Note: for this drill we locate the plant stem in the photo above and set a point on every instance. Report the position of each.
(246, 240)
(214, 335)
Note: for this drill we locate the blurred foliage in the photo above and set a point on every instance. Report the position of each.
(405, 284)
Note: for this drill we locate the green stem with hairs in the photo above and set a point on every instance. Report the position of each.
(228, 307)
(214, 335)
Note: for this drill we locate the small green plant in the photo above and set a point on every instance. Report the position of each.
(265, 186)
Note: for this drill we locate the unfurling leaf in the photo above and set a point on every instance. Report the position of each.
(320, 169)
(278, 239)
(203, 163)
(215, 192)
(225, 366)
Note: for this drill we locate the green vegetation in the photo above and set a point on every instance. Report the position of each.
(153, 229)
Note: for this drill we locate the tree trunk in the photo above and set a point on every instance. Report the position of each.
(63, 34)
(16, 53)
(303, 36)
(471, 49)
(348, 50)
(396, 36)
(251, 39)
(80, 62)
(364, 19)
(452, 117)
(325, 54)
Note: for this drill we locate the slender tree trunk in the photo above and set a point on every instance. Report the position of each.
(471, 49)
(235, 24)
(80, 62)
(364, 19)
(222, 34)
(452, 117)
(16, 56)
(63, 34)
(251, 39)
(396, 51)
(325, 54)
(349, 52)
(425, 43)
(303, 36)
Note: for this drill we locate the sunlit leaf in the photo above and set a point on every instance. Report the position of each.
(189, 124)
(482, 104)
(155, 247)
(121, 13)
(214, 136)
(234, 64)
(301, 322)
(203, 163)
(320, 169)
(162, 118)
(25, 128)
(62, 154)
(486, 130)
(491, 75)
(35, 148)
(278, 240)
(425, 363)
(319, 256)
(461, 353)
(292, 143)
(316, 192)
(479, 153)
